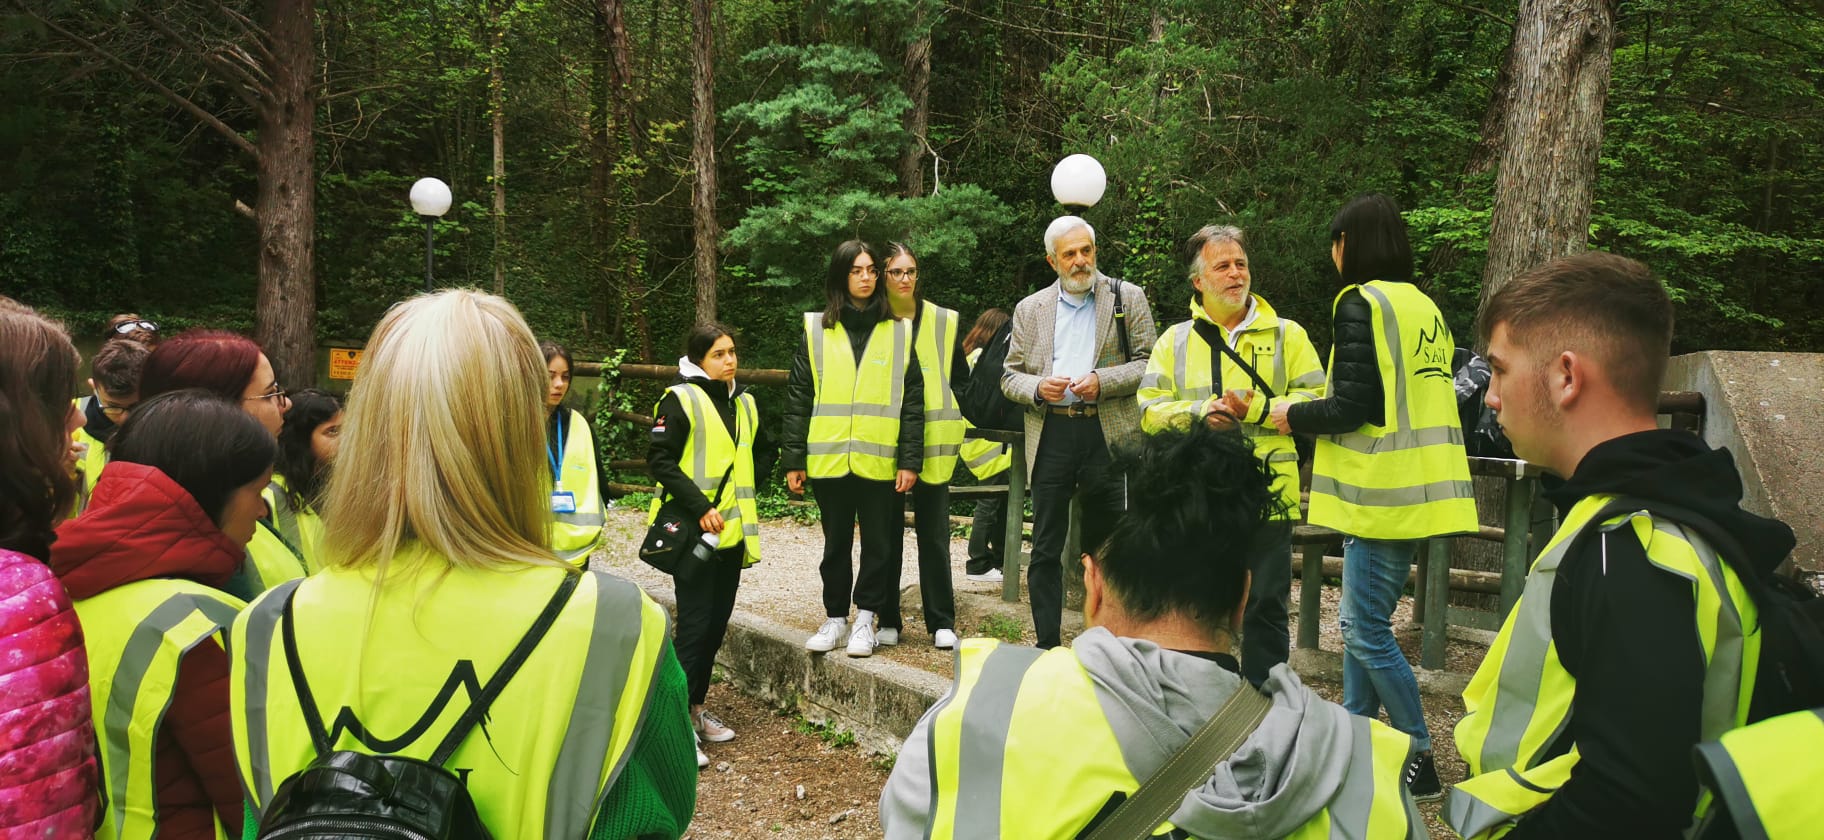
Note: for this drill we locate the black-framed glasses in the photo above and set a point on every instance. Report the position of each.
(126, 327)
(275, 393)
(902, 273)
(112, 411)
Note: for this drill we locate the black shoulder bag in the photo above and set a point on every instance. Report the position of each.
(674, 531)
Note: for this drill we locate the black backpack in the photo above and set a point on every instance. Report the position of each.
(982, 401)
(353, 794)
(1482, 435)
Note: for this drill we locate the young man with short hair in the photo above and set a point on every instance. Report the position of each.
(1634, 638)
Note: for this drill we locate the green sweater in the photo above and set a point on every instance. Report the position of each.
(656, 793)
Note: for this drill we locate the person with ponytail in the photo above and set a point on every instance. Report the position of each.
(307, 445)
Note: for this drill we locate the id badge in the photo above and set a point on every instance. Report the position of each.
(563, 501)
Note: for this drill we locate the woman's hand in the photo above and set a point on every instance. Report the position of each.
(794, 481)
(711, 523)
(906, 479)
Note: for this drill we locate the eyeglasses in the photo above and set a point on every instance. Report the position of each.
(903, 273)
(112, 411)
(275, 394)
(125, 327)
(862, 271)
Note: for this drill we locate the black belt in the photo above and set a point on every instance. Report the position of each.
(1072, 410)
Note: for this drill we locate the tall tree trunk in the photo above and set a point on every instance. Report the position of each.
(918, 89)
(601, 164)
(703, 154)
(625, 139)
(1562, 51)
(285, 308)
(497, 103)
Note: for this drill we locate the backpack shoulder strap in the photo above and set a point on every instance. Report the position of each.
(1188, 768)
(478, 710)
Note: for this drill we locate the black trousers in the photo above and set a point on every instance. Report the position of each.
(1071, 453)
(989, 531)
(843, 502)
(931, 512)
(706, 598)
(1264, 636)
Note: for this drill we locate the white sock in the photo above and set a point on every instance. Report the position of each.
(864, 617)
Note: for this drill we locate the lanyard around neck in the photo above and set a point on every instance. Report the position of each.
(555, 450)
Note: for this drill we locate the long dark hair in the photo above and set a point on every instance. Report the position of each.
(37, 375)
(986, 325)
(836, 283)
(304, 477)
(206, 444)
(1375, 246)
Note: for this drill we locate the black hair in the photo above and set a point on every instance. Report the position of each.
(836, 283)
(117, 365)
(304, 477)
(1374, 241)
(553, 350)
(702, 338)
(1197, 502)
(206, 444)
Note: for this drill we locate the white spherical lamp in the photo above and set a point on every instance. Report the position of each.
(1079, 181)
(430, 197)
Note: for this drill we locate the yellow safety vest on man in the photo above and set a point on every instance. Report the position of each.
(708, 454)
(299, 525)
(1179, 381)
(984, 459)
(855, 415)
(1519, 703)
(1765, 777)
(944, 423)
(558, 735)
(135, 636)
(271, 560)
(1000, 767)
(1407, 478)
(575, 533)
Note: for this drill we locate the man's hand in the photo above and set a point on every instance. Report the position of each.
(1278, 415)
(711, 523)
(905, 481)
(794, 481)
(1087, 387)
(1051, 389)
(1238, 402)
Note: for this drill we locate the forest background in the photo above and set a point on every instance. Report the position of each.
(245, 163)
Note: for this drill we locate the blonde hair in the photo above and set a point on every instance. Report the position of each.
(444, 441)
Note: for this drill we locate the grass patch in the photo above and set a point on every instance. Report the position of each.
(1001, 627)
(831, 734)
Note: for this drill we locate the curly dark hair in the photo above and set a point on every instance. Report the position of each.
(304, 477)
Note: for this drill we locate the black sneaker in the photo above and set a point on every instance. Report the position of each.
(1421, 777)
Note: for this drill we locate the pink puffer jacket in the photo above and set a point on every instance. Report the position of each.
(48, 769)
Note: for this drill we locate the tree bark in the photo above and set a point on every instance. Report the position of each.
(703, 155)
(285, 308)
(625, 141)
(497, 103)
(1562, 53)
(918, 89)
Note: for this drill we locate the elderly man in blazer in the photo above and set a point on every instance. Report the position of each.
(1066, 364)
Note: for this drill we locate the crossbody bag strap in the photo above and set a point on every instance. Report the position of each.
(478, 709)
(313, 719)
(1212, 336)
(1187, 769)
(1127, 351)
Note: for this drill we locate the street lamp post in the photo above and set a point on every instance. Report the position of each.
(1078, 182)
(430, 200)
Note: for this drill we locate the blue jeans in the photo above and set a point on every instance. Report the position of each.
(1375, 671)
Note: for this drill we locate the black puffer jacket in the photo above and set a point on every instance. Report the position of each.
(1354, 396)
(666, 447)
(801, 394)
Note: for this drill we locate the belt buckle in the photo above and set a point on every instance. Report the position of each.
(1076, 409)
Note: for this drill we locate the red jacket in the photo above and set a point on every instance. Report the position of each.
(48, 773)
(140, 525)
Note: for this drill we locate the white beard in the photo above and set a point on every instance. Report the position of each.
(1076, 286)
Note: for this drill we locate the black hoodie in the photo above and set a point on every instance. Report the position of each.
(671, 428)
(1627, 632)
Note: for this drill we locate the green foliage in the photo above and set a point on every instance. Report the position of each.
(1000, 627)
(832, 734)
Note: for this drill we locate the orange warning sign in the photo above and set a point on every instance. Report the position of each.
(343, 363)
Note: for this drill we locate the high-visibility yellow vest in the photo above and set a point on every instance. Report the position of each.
(1766, 777)
(299, 525)
(855, 416)
(1000, 769)
(1520, 700)
(1408, 478)
(575, 535)
(135, 636)
(944, 423)
(1179, 380)
(708, 453)
(89, 466)
(391, 675)
(984, 459)
(271, 559)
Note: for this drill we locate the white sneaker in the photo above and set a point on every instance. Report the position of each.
(828, 636)
(886, 636)
(990, 576)
(944, 639)
(861, 640)
(711, 728)
(702, 758)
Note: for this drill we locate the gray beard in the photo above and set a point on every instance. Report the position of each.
(1075, 286)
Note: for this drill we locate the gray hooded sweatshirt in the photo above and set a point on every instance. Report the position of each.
(1155, 699)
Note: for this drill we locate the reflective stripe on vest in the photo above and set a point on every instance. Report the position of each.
(135, 636)
(1519, 702)
(301, 528)
(944, 424)
(708, 452)
(558, 737)
(94, 459)
(985, 459)
(575, 535)
(1766, 777)
(855, 414)
(994, 753)
(1408, 478)
(270, 559)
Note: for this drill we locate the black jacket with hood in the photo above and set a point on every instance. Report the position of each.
(1627, 632)
(801, 395)
(671, 428)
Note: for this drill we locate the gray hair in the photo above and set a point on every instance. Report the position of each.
(1063, 225)
(1193, 248)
